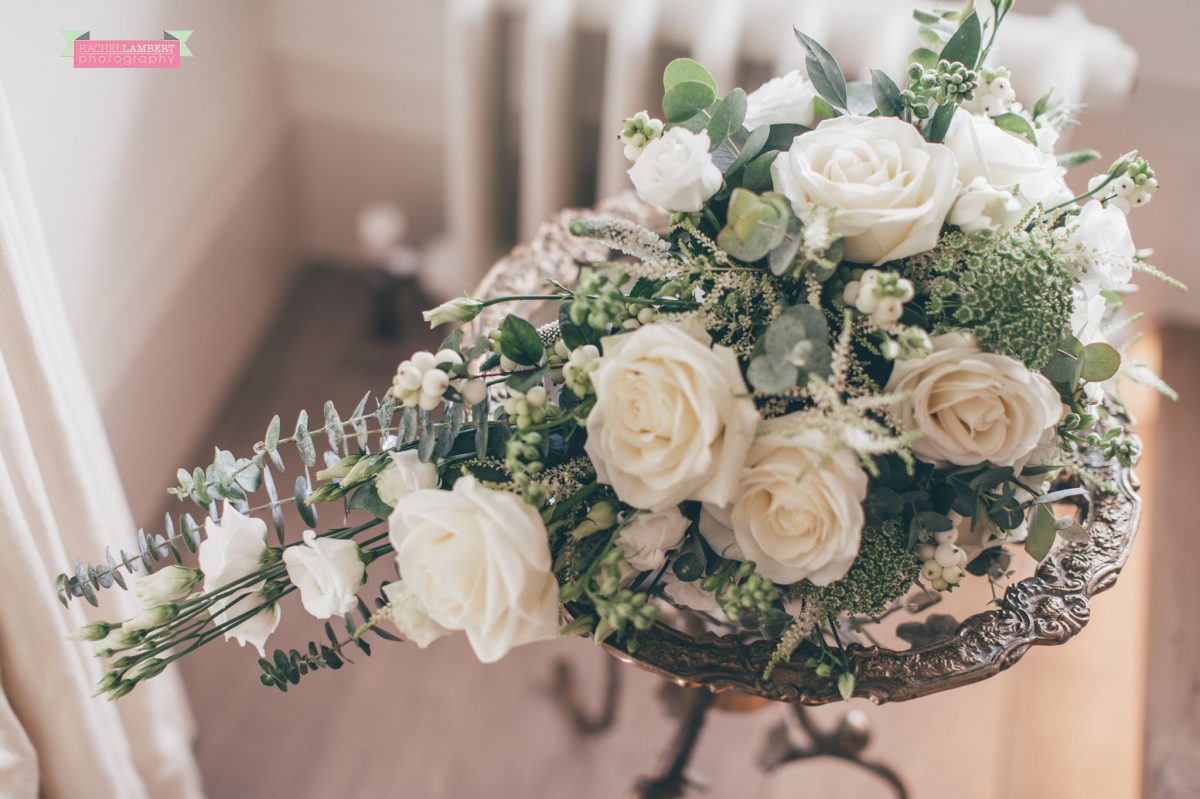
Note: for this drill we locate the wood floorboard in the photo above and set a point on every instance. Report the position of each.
(436, 723)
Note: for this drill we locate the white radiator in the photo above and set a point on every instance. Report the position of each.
(538, 88)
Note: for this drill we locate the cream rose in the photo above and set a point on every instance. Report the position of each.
(650, 536)
(798, 513)
(676, 171)
(328, 572)
(1005, 160)
(233, 548)
(673, 418)
(404, 475)
(477, 560)
(971, 406)
(890, 189)
(785, 100)
(981, 206)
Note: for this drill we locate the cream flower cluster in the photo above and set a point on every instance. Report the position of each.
(995, 95)
(577, 371)
(638, 131)
(942, 560)
(421, 382)
(879, 294)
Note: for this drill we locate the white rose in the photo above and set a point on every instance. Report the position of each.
(328, 572)
(982, 206)
(786, 100)
(798, 513)
(410, 616)
(889, 188)
(676, 171)
(1005, 160)
(478, 560)
(672, 420)
(404, 475)
(648, 538)
(971, 406)
(1099, 248)
(232, 549)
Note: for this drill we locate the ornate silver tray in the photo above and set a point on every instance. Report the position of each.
(1049, 607)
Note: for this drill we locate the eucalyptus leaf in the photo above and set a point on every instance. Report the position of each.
(304, 442)
(823, 70)
(727, 117)
(1077, 158)
(479, 415)
(366, 497)
(783, 135)
(860, 98)
(749, 148)
(428, 439)
(1100, 362)
(683, 70)
(757, 176)
(939, 123)
(887, 94)
(924, 57)
(307, 512)
(333, 426)
(271, 440)
(1015, 123)
(687, 99)
(1040, 538)
(965, 45)
(1071, 531)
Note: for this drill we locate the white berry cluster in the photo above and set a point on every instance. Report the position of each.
(422, 382)
(1132, 190)
(638, 131)
(994, 95)
(643, 316)
(942, 560)
(528, 408)
(578, 368)
(880, 294)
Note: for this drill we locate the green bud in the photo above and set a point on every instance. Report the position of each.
(460, 310)
(92, 632)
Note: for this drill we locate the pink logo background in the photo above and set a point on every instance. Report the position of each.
(126, 54)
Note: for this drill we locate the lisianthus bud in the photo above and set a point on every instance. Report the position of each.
(150, 668)
(92, 632)
(458, 310)
(150, 618)
(167, 585)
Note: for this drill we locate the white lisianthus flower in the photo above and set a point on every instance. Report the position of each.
(971, 406)
(459, 310)
(410, 616)
(404, 475)
(1087, 316)
(673, 418)
(232, 549)
(647, 539)
(889, 188)
(1099, 248)
(1005, 160)
(328, 572)
(676, 171)
(168, 584)
(786, 100)
(798, 513)
(981, 206)
(478, 560)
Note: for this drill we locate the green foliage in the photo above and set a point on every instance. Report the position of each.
(965, 45)
(1007, 288)
(685, 70)
(795, 345)
(519, 341)
(884, 571)
(1015, 123)
(755, 225)
(823, 70)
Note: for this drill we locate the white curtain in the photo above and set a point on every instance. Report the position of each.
(60, 497)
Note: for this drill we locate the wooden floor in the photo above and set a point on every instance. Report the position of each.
(426, 724)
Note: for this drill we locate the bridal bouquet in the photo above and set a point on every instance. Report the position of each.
(865, 357)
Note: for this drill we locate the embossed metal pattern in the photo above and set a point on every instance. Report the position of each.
(1050, 607)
